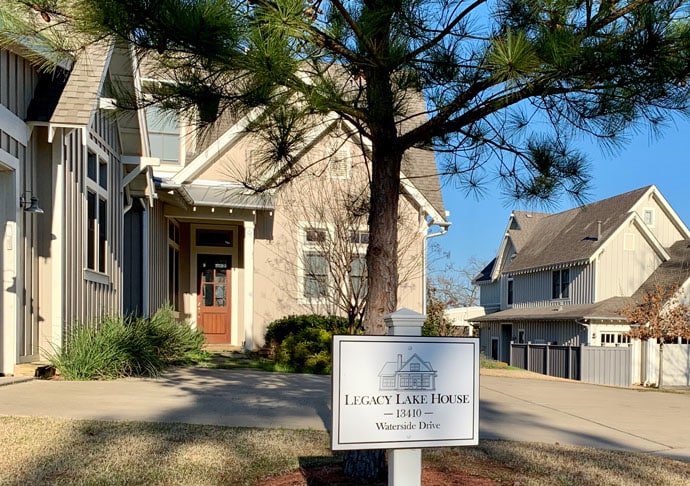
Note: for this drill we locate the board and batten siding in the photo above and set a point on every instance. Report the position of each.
(17, 82)
(625, 264)
(18, 307)
(490, 294)
(567, 333)
(157, 238)
(662, 227)
(534, 289)
(89, 295)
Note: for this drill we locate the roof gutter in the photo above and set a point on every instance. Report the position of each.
(444, 228)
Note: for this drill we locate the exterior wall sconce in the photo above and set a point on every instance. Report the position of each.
(31, 205)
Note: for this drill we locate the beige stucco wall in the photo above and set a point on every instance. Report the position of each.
(310, 198)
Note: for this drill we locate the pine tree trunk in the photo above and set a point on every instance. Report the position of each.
(366, 464)
(382, 250)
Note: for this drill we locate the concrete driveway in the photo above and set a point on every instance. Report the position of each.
(512, 409)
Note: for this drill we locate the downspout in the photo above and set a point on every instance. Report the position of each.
(444, 229)
(587, 328)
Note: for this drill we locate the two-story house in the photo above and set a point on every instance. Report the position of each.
(140, 209)
(564, 278)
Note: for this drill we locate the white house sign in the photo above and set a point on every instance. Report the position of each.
(404, 392)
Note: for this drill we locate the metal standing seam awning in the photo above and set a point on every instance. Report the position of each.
(231, 197)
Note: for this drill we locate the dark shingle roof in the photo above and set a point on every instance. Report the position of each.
(571, 235)
(419, 164)
(606, 309)
(485, 273)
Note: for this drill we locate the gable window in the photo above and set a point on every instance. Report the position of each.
(340, 164)
(561, 284)
(510, 291)
(648, 217)
(97, 212)
(414, 366)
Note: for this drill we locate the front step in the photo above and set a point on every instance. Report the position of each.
(221, 348)
(38, 369)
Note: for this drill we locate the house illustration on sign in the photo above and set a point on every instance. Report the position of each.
(413, 374)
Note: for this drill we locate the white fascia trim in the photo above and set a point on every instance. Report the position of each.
(140, 160)
(14, 126)
(216, 149)
(646, 233)
(409, 187)
(138, 92)
(668, 209)
(498, 266)
(8, 160)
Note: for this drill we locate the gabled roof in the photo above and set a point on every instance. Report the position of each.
(569, 236)
(80, 96)
(485, 273)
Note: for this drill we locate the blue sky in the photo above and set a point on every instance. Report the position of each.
(665, 162)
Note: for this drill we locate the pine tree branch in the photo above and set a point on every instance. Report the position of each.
(441, 34)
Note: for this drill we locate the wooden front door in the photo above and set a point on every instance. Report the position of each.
(213, 297)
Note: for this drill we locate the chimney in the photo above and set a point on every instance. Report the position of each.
(399, 362)
(598, 230)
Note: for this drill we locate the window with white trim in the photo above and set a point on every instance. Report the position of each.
(314, 263)
(164, 134)
(614, 338)
(97, 212)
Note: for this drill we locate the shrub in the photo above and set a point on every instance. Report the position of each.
(115, 347)
(278, 330)
(303, 343)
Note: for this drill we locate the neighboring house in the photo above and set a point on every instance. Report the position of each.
(564, 278)
(413, 374)
(462, 317)
(62, 151)
(141, 210)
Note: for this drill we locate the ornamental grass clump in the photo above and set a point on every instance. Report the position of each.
(116, 347)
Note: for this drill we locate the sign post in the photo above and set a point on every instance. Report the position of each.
(404, 465)
(403, 392)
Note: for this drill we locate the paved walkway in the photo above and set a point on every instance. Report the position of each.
(512, 409)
